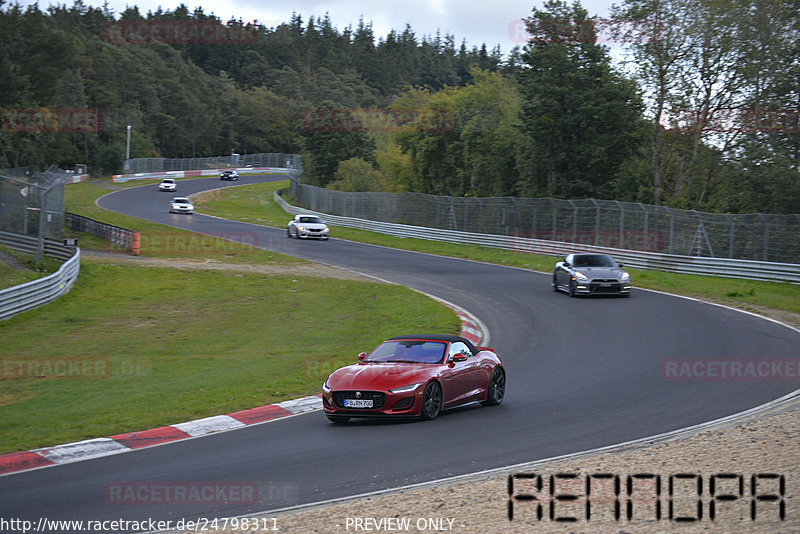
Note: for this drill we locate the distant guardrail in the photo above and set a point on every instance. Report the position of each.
(114, 235)
(732, 268)
(120, 178)
(18, 299)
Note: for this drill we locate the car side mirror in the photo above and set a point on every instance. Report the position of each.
(619, 264)
(361, 356)
(566, 264)
(455, 358)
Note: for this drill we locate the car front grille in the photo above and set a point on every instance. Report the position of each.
(378, 398)
(608, 285)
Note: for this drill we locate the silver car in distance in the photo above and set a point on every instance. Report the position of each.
(591, 274)
(181, 205)
(307, 226)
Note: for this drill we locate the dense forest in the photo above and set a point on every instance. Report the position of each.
(701, 113)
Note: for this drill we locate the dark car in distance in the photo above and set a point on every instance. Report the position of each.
(591, 274)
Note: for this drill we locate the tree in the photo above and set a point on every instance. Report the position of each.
(580, 119)
(656, 35)
(331, 135)
(355, 174)
(462, 140)
(262, 123)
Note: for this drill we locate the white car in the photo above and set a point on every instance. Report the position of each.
(307, 226)
(168, 184)
(181, 205)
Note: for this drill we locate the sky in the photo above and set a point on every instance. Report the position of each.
(477, 21)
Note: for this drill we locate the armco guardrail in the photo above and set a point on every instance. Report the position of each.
(28, 244)
(732, 268)
(18, 299)
(120, 178)
(114, 235)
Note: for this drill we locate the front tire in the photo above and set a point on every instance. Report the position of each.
(497, 388)
(431, 401)
(572, 288)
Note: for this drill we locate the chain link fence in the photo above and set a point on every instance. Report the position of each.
(32, 202)
(602, 223)
(141, 165)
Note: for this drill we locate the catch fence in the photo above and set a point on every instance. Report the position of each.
(590, 222)
(140, 165)
(32, 202)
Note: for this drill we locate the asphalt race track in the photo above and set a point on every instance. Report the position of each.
(582, 373)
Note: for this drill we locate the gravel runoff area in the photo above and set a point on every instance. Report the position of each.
(754, 461)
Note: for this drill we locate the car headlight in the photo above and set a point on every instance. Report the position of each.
(301, 227)
(325, 387)
(580, 276)
(405, 389)
(625, 277)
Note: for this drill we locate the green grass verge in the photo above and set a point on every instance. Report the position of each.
(11, 276)
(253, 203)
(158, 240)
(18, 268)
(178, 346)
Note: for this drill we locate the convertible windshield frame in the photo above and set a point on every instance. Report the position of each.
(409, 351)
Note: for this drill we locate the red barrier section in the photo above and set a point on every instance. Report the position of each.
(262, 413)
(19, 461)
(154, 436)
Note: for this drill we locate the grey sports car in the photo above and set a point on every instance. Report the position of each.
(591, 274)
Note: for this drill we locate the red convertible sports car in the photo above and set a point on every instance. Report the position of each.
(414, 376)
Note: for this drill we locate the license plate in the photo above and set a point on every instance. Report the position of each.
(358, 403)
(605, 284)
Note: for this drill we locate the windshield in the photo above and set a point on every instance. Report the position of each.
(181, 200)
(594, 260)
(311, 220)
(167, 181)
(412, 351)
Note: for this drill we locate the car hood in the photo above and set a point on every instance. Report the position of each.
(380, 376)
(600, 272)
(313, 226)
